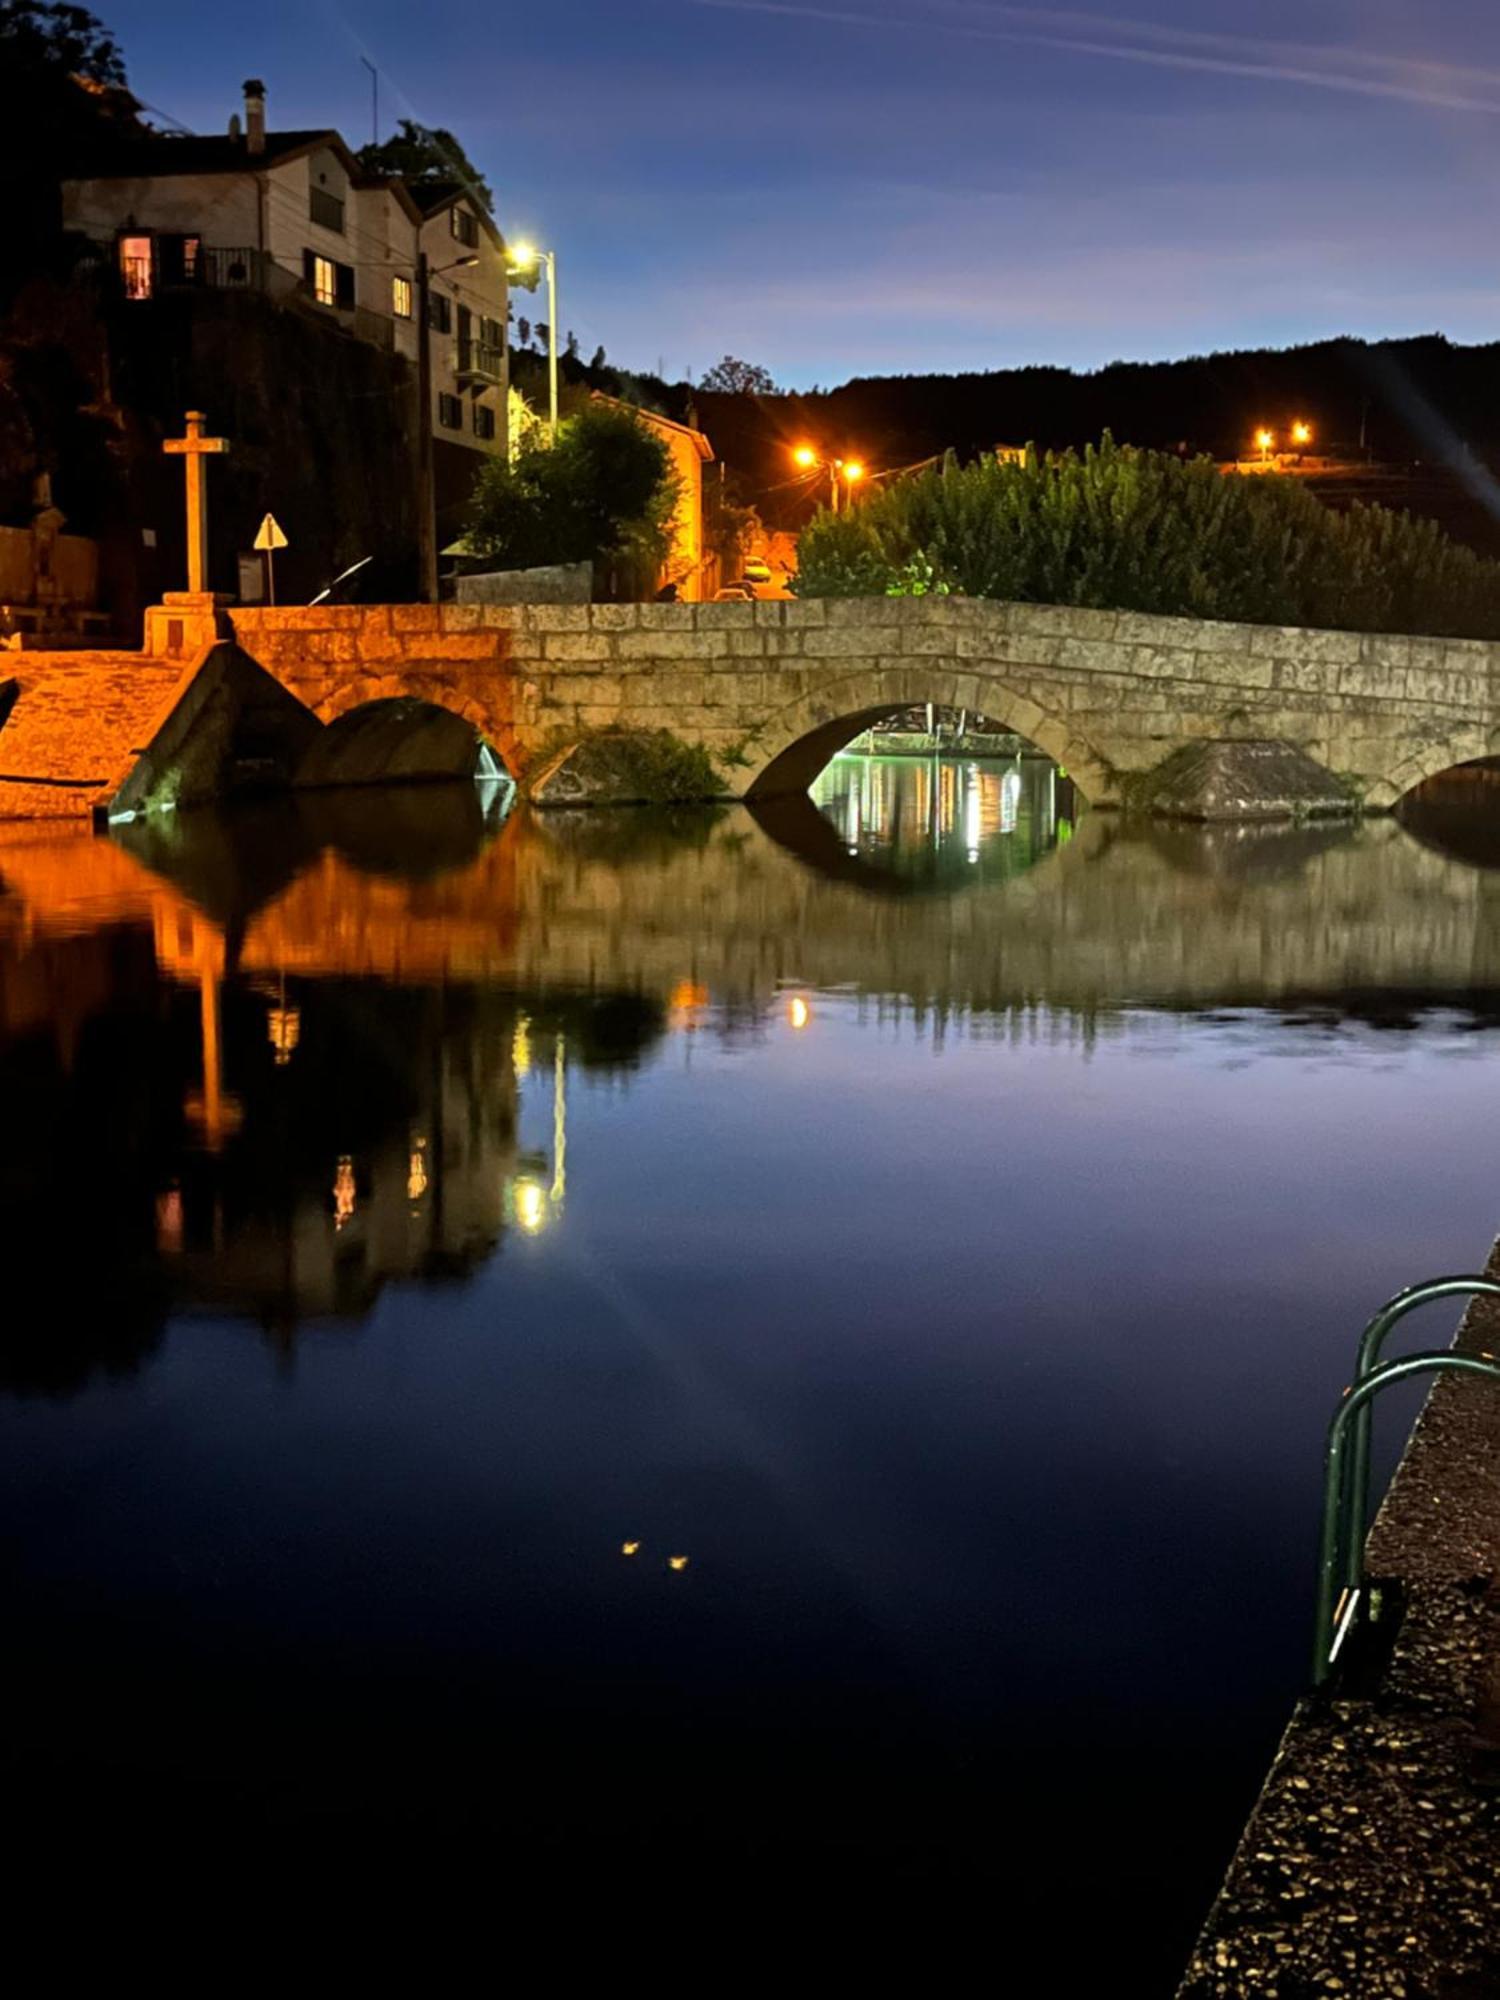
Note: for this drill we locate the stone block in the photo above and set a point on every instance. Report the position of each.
(574, 646)
(615, 617)
(771, 612)
(850, 642)
(1380, 649)
(1156, 662)
(725, 617)
(414, 617)
(1291, 642)
(1064, 621)
(865, 612)
(803, 612)
(668, 617)
(657, 644)
(557, 617)
(743, 646)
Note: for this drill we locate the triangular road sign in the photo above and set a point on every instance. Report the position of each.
(270, 535)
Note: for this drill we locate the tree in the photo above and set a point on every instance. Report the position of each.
(418, 154)
(43, 39)
(733, 377)
(600, 360)
(602, 494)
(523, 331)
(62, 92)
(1130, 530)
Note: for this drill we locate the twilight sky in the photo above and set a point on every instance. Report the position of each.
(864, 186)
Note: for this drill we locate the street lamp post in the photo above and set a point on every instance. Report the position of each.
(427, 554)
(851, 470)
(527, 257)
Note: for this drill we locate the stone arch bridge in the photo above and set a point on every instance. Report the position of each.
(772, 690)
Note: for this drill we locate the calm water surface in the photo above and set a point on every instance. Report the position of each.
(713, 1348)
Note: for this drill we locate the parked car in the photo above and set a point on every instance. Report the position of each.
(756, 571)
(735, 593)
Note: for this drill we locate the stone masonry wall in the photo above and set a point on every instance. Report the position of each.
(771, 688)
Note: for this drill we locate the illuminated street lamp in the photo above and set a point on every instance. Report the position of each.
(524, 258)
(1302, 433)
(1265, 440)
(851, 470)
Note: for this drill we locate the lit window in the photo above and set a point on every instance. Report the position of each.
(325, 281)
(135, 266)
(401, 297)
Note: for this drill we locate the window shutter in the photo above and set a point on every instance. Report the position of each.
(344, 281)
(309, 276)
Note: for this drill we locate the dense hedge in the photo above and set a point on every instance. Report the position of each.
(1133, 530)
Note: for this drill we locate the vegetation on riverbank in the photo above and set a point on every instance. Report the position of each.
(1124, 529)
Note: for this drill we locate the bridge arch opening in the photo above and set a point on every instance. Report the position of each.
(926, 800)
(400, 739)
(1456, 812)
(800, 741)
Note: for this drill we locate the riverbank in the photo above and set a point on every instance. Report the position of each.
(1371, 1864)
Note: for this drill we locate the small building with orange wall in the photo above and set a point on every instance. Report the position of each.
(689, 564)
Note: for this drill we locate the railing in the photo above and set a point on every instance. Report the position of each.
(480, 361)
(1346, 1460)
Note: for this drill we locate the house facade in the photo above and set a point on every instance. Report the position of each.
(689, 565)
(294, 217)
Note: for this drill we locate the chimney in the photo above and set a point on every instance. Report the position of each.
(255, 116)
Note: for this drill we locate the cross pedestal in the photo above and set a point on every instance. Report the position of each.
(188, 620)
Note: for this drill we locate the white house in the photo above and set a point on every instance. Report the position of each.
(294, 216)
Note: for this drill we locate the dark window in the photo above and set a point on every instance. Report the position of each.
(465, 228)
(440, 312)
(491, 333)
(178, 259)
(484, 421)
(326, 210)
(450, 412)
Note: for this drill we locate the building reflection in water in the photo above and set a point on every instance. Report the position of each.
(946, 820)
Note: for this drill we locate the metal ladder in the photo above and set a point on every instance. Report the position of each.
(1346, 1458)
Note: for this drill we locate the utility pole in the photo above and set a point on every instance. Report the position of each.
(427, 571)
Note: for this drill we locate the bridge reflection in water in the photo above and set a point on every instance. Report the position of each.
(947, 822)
(299, 1038)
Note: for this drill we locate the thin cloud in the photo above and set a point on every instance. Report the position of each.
(1408, 81)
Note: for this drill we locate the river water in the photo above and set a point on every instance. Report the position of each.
(710, 1347)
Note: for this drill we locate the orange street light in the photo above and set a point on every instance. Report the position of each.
(805, 455)
(853, 471)
(1301, 432)
(1264, 441)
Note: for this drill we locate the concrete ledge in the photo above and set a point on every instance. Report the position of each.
(1371, 1864)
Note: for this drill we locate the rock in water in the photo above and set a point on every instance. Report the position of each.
(1227, 779)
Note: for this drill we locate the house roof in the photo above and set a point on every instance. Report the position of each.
(658, 422)
(159, 157)
(431, 195)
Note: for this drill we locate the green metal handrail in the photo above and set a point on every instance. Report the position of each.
(1336, 1607)
(1371, 1342)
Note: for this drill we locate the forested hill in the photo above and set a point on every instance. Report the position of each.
(1425, 400)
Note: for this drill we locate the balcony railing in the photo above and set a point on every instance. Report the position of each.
(480, 363)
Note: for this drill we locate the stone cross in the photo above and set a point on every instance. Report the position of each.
(193, 448)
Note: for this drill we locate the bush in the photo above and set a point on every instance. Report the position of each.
(602, 494)
(1129, 530)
